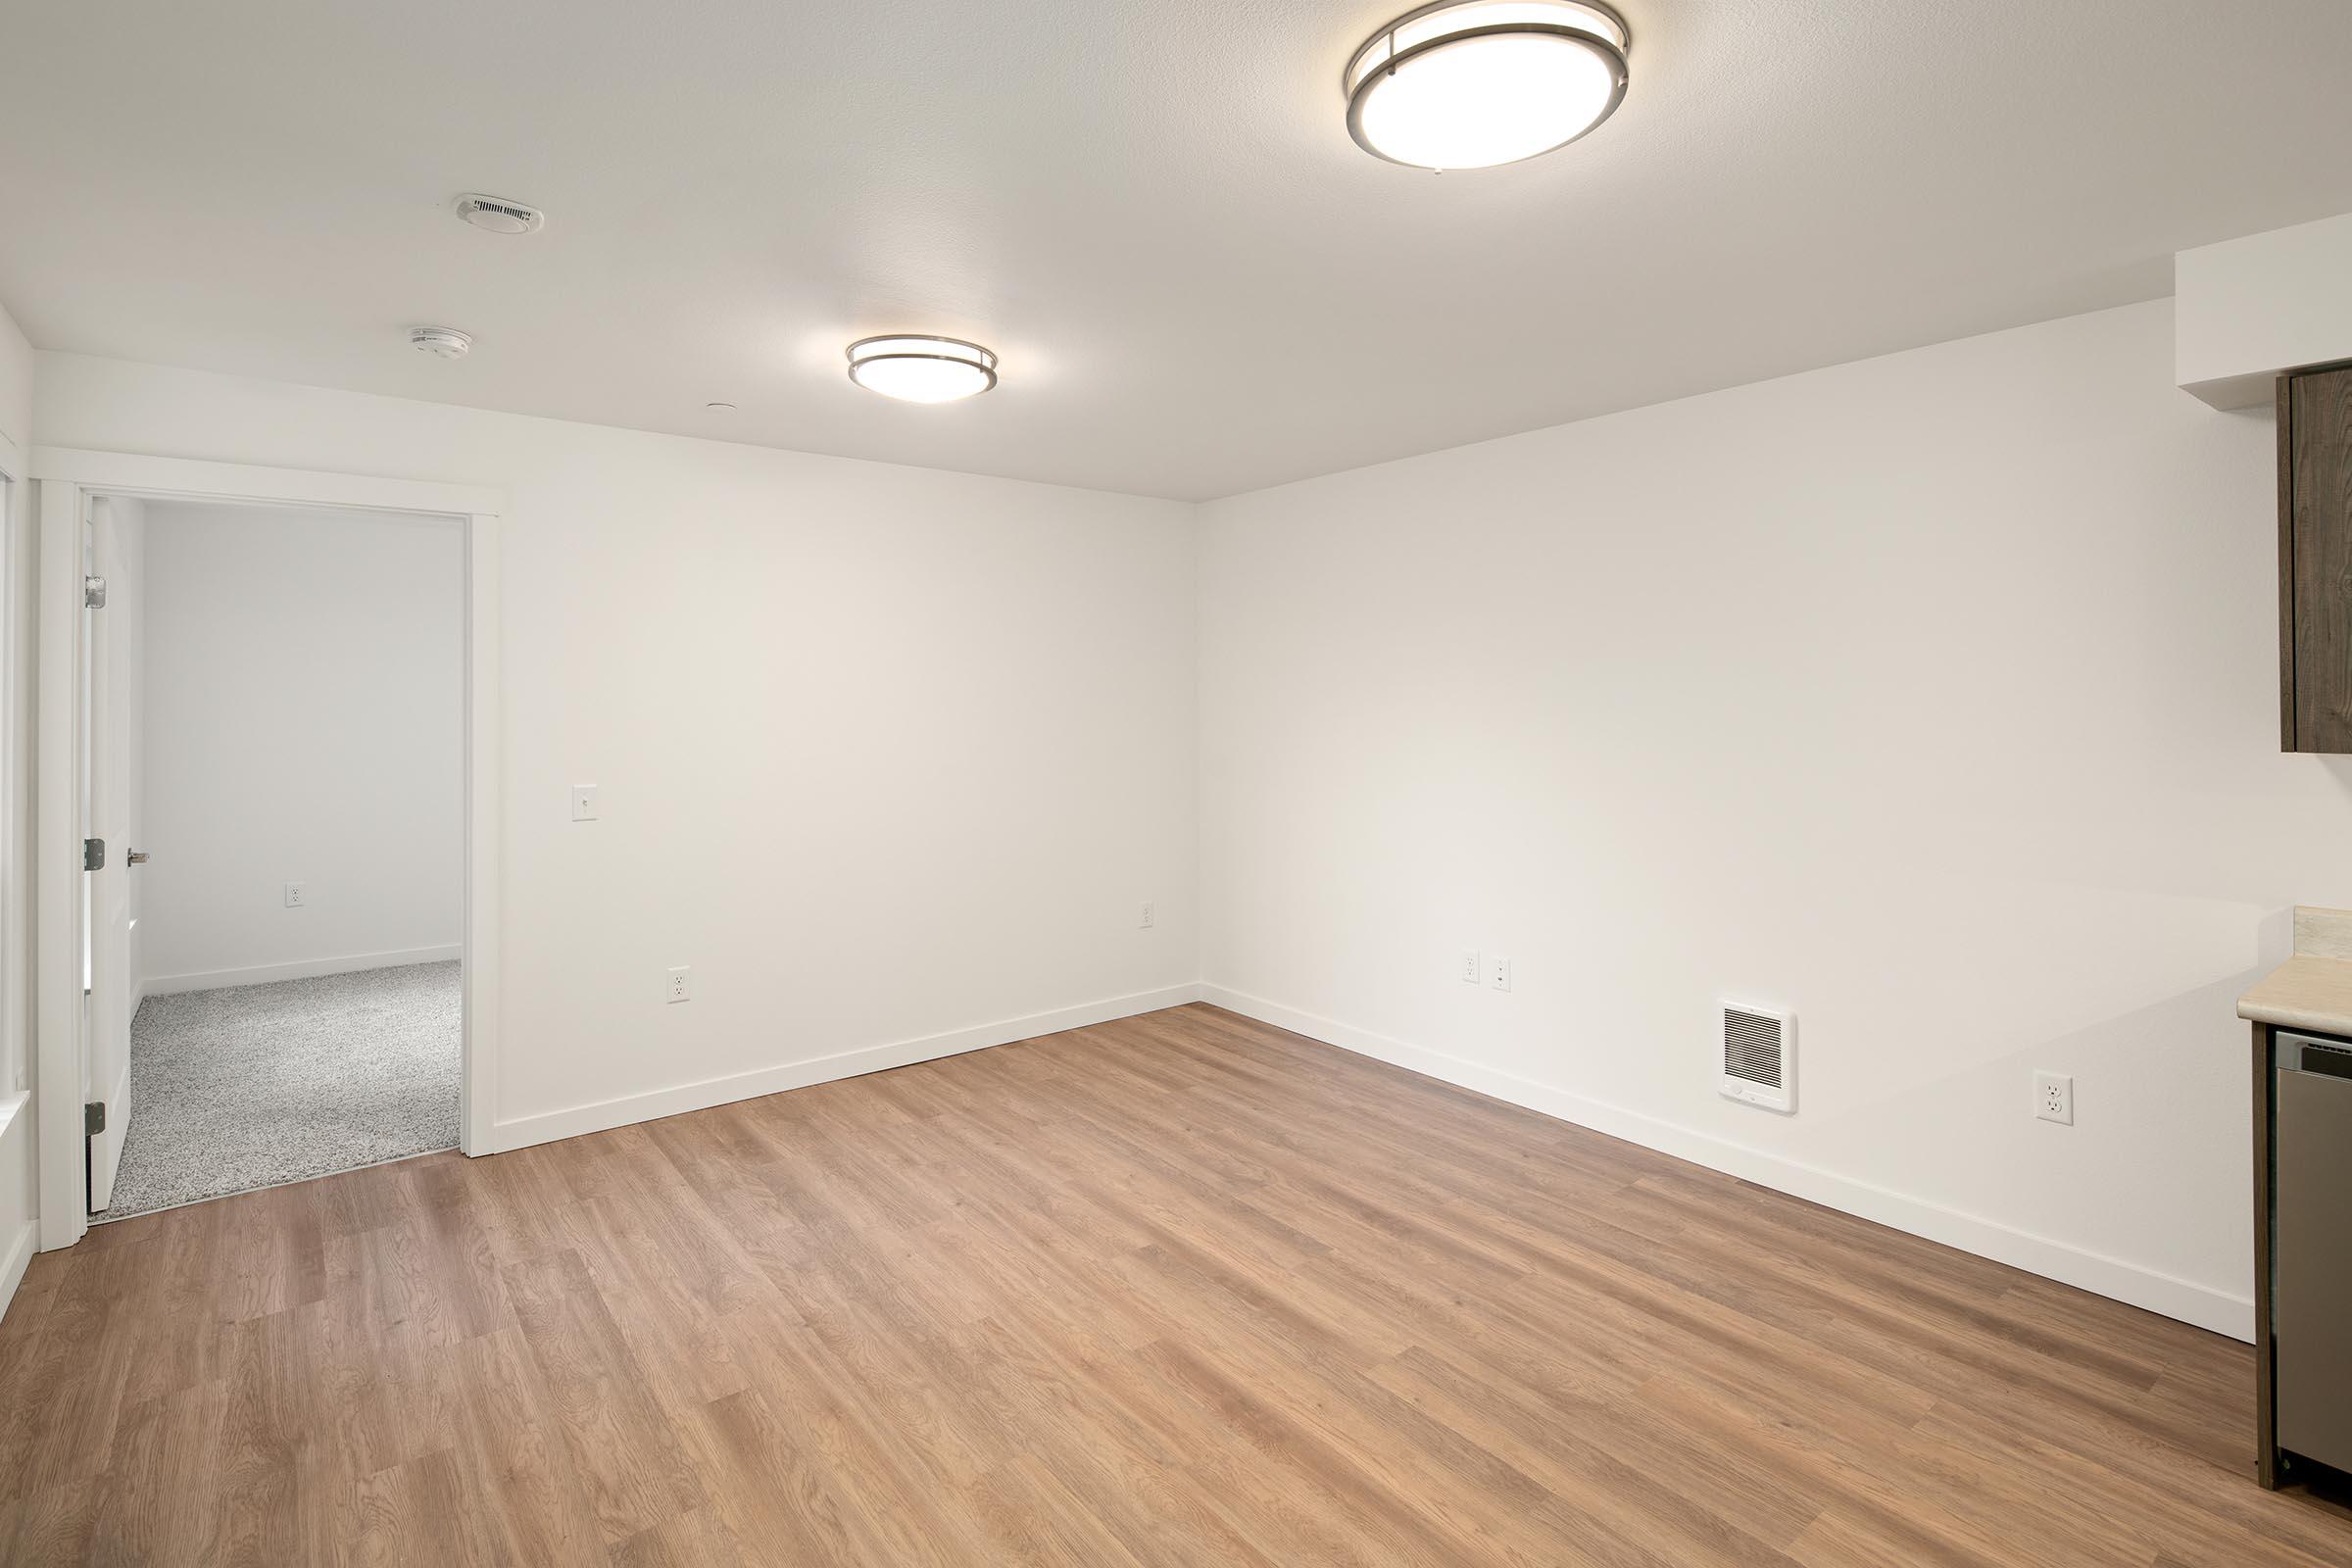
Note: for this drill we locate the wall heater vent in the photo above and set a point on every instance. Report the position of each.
(1759, 1056)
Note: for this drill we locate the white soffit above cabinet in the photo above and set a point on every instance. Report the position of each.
(2247, 309)
(1197, 282)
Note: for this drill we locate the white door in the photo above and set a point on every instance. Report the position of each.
(107, 804)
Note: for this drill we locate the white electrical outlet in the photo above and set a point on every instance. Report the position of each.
(1472, 970)
(2054, 1097)
(679, 991)
(583, 802)
(293, 895)
(1146, 921)
(1498, 973)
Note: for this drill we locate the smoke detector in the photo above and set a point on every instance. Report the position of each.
(498, 215)
(441, 342)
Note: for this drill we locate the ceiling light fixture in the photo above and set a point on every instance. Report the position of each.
(441, 342)
(1472, 83)
(498, 215)
(921, 370)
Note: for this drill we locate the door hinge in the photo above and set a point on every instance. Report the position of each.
(94, 1118)
(93, 593)
(93, 855)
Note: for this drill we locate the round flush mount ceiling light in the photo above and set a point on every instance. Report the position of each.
(498, 215)
(441, 342)
(1472, 83)
(923, 370)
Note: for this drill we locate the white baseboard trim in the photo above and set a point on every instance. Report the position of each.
(21, 1249)
(547, 1127)
(2113, 1277)
(157, 985)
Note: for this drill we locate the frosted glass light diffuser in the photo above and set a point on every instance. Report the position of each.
(923, 370)
(1472, 83)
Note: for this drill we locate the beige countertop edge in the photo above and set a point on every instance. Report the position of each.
(2283, 1013)
(2312, 990)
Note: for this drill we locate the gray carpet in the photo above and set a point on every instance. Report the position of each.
(252, 1086)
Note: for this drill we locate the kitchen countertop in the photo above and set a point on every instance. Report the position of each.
(2312, 990)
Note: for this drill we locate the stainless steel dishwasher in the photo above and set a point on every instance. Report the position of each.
(2310, 1246)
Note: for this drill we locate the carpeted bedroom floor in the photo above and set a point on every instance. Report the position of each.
(252, 1086)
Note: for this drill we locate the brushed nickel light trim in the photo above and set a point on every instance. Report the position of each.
(873, 360)
(1425, 34)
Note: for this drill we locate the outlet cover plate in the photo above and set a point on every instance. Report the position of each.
(2054, 1097)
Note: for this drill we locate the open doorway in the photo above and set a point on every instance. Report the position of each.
(275, 911)
(75, 1070)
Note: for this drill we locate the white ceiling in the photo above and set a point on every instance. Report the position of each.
(1197, 283)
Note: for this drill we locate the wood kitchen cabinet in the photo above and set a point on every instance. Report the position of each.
(2315, 561)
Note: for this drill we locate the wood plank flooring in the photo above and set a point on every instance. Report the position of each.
(1178, 1291)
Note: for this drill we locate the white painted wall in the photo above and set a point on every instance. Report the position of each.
(304, 722)
(16, 360)
(1932, 695)
(1935, 696)
(885, 754)
(2247, 309)
(18, 1209)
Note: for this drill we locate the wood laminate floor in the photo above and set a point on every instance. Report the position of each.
(1178, 1291)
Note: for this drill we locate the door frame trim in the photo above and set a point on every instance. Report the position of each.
(67, 478)
(18, 526)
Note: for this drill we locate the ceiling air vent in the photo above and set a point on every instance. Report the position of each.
(498, 215)
(1759, 1056)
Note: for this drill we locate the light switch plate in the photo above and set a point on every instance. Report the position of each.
(583, 802)
(1498, 973)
